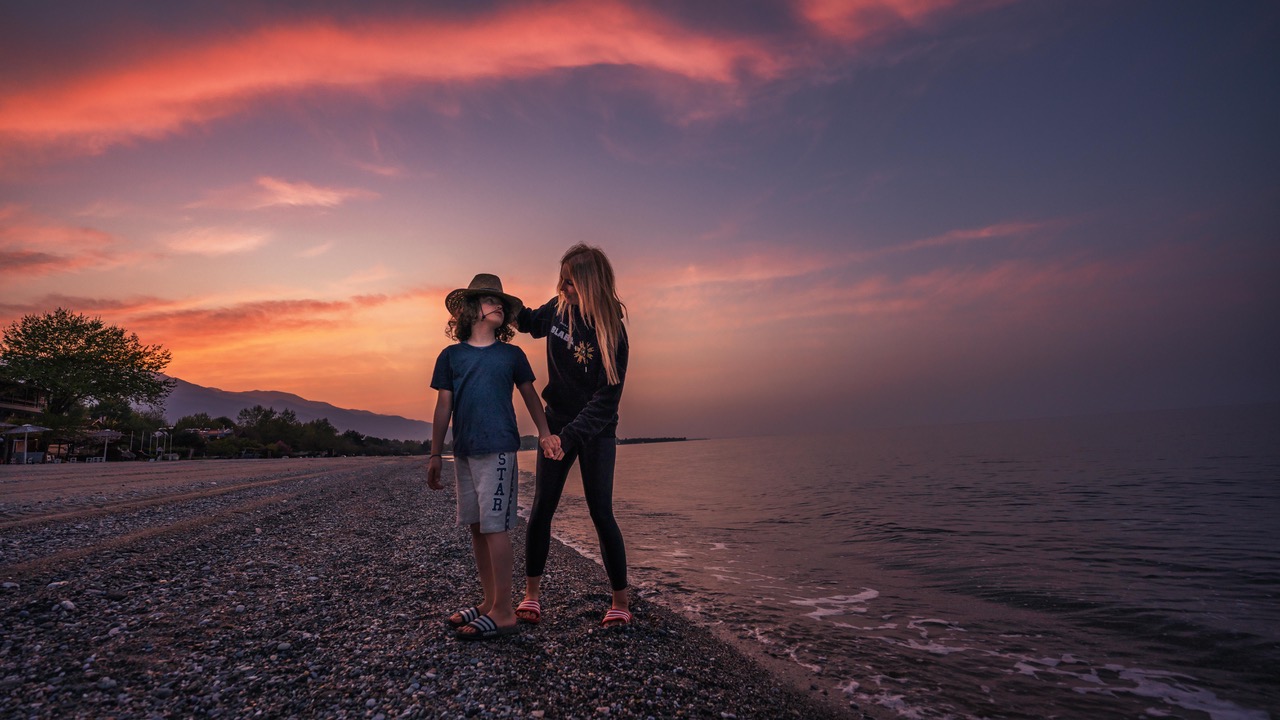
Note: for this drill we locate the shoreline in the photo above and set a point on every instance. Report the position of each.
(310, 589)
(789, 672)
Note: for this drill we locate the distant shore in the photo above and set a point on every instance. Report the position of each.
(316, 588)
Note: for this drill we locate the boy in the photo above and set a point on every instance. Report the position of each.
(473, 379)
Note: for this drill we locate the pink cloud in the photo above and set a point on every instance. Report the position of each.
(27, 262)
(187, 324)
(34, 246)
(316, 250)
(273, 192)
(213, 242)
(750, 266)
(968, 235)
(854, 20)
(380, 169)
(81, 304)
(211, 78)
(786, 286)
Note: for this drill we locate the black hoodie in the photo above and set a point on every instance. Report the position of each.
(581, 404)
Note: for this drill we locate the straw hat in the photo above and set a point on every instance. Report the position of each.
(482, 284)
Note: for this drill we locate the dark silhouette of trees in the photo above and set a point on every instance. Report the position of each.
(77, 360)
(264, 432)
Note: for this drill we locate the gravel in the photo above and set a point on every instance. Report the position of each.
(325, 596)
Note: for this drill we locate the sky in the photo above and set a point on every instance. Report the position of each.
(823, 214)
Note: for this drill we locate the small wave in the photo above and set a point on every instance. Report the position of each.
(1172, 689)
(837, 604)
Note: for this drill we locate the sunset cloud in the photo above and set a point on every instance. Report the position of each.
(381, 169)
(969, 235)
(761, 264)
(214, 77)
(266, 192)
(768, 264)
(213, 242)
(204, 320)
(316, 250)
(853, 20)
(34, 246)
(28, 263)
(203, 330)
(787, 285)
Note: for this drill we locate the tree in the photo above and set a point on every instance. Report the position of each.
(199, 421)
(78, 360)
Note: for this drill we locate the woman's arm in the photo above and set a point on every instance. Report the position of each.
(537, 322)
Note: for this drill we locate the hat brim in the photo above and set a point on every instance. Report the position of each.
(453, 300)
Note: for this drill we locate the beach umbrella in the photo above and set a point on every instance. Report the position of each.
(25, 429)
(106, 436)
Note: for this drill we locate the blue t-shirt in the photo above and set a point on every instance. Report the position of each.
(481, 379)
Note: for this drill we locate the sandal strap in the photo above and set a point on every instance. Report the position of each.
(483, 624)
(533, 605)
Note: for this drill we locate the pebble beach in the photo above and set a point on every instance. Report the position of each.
(319, 588)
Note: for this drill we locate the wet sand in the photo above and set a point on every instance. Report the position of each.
(318, 588)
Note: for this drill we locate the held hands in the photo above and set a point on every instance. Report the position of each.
(433, 472)
(550, 445)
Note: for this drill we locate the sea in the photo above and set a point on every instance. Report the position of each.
(1118, 566)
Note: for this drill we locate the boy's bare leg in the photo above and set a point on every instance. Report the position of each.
(500, 562)
(484, 566)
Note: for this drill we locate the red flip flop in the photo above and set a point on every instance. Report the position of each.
(532, 607)
(616, 618)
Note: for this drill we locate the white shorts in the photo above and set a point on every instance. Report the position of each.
(487, 486)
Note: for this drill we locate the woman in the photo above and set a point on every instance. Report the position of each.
(586, 365)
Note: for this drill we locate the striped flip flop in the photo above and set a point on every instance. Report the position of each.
(462, 617)
(616, 618)
(484, 628)
(533, 608)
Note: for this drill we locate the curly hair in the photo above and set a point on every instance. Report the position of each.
(459, 327)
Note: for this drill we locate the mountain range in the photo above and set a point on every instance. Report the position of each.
(191, 399)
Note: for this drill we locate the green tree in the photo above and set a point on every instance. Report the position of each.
(255, 422)
(186, 433)
(79, 360)
(320, 436)
(199, 421)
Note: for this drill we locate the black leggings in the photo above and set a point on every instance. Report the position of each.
(595, 461)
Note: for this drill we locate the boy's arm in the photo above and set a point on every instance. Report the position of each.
(549, 443)
(439, 425)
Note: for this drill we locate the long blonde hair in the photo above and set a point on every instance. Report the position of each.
(592, 275)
